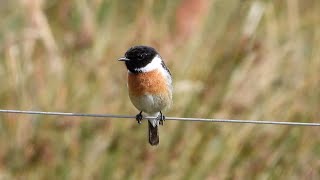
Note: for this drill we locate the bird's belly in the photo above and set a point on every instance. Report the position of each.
(150, 91)
(151, 103)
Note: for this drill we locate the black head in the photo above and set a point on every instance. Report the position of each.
(138, 57)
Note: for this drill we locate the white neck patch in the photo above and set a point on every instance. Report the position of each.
(154, 64)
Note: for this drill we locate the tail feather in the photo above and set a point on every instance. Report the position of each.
(153, 134)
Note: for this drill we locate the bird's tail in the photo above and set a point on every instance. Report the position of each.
(153, 134)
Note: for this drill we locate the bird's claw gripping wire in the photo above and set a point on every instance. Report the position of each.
(139, 117)
(161, 118)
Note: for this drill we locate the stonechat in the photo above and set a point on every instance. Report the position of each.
(149, 85)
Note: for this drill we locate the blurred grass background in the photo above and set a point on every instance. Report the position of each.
(250, 59)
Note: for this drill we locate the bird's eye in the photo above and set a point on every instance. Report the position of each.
(141, 56)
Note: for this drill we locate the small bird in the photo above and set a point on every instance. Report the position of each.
(149, 85)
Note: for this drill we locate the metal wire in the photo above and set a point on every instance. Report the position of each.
(167, 118)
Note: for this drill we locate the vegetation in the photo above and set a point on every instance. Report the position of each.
(232, 59)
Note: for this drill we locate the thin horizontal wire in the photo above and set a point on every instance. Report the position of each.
(167, 118)
(64, 114)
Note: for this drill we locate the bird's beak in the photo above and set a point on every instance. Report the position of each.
(123, 59)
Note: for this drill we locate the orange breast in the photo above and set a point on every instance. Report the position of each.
(147, 83)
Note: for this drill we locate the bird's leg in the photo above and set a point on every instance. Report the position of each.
(161, 118)
(139, 117)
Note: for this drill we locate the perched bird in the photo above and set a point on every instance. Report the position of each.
(149, 86)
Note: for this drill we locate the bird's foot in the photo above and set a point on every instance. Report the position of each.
(161, 118)
(139, 117)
